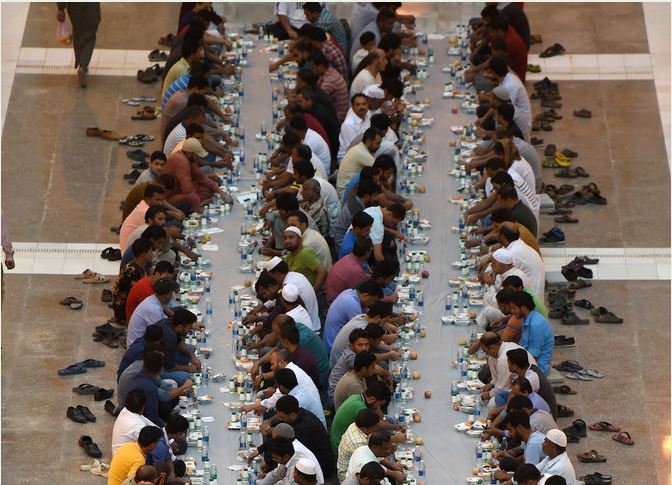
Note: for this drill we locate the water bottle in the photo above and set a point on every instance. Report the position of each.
(411, 293)
(208, 311)
(213, 473)
(192, 277)
(234, 330)
(479, 455)
(421, 469)
(449, 304)
(205, 377)
(206, 436)
(417, 455)
(243, 422)
(453, 389)
(206, 467)
(420, 297)
(242, 441)
(204, 453)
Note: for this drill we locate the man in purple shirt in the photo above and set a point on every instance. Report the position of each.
(350, 270)
(300, 355)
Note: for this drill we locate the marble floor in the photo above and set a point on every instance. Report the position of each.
(61, 190)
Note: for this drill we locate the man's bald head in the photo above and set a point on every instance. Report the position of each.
(146, 473)
(508, 232)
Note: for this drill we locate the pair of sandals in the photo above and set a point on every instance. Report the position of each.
(589, 194)
(552, 51)
(146, 113)
(90, 277)
(99, 393)
(136, 140)
(80, 414)
(572, 173)
(583, 113)
(139, 99)
(584, 375)
(111, 254)
(150, 75)
(72, 302)
(157, 56)
(109, 335)
(602, 315)
(81, 367)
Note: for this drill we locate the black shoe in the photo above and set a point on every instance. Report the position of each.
(132, 175)
(110, 407)
(87, 413)
(585, 260)
(562, 341)
(564, 411)
(90, 447)
(596, 478)
(137, 155)
(75, 415)
(102, 394)
(140, 165)
(536, 141)
(578, 429)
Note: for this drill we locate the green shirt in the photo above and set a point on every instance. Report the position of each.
(305, 262)
(539, 304)
(345, 416)
(309, 339)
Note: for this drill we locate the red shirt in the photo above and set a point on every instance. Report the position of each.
(346, 273)
(517, 52)
(140, 290)
(316, 126)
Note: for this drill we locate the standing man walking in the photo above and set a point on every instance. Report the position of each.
(85, 18)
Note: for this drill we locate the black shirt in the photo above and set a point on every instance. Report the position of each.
(311, 433)
(518, 21)
(546, 391)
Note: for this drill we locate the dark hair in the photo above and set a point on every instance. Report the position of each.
(523, 299)
(141, 246)
(199, 69)
(505, 295)
(315, 33)
(317, 58)
(135, 400)
(157, 155)
(380, 309)
(370, 287)
(198, 82)
(518, 357)
(154, 232)
(164, 286)
(385, 269)
(385, 162)
(367, 418)
(499, 22)
(192, 112)
(397, 210)
(192, 128)
(506, 111)
(286, 377)
(164, 267)
(357, 334)
(149, 435)
(281, 446)
(556, 479)
(293, 108)
(287, 404)
(516, 418)
(495, 163)
(298, 122)
(304, 151)
(304, 167)
(281, 268)
(357, 95)
(385, 15)
(373, 471)
(290, 333)
(389, 42)
(371, 134)
(374, 331)
(290, 139)
(366, 37)
(367, 187)
(379, 437)
(309, 77)
(152, 189)
(152, 361)
(499, 65)
(394, 86)
(182, 316)
(513, 282)
(491, 338)
(361, 220)
(498, 43)
(153, 333)
(377, 390)
(519, 402)
(313, 7)
(189, 47)
(509, 234)
(153, 211)
(300, 215)
(502, 178)
(381, 122)
(197, 99)
(177, 424)
(367, 173)
(363, 359)
(526, 472)
(501, 215)
(287, 202)
(507, 192)
(489, 11)
(362, 246)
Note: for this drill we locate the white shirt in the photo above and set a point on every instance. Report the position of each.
(302, 378)
(560, 465)
(314, 241)
(531, 376)
(351, 127)
(519, 99)
(300, 315)
(329, 196)
(499, 368)
(178, 134)
(377, 229)
(293, 11)
(363, 80)
(306, 292)
(360, 457)
(528, 260)
(524, 169)
(529, 154)
(302, 450)
(127, 428)
(315, 161)
(525, 193)
(319, 147)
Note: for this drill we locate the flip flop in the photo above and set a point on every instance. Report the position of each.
(91, 363)
(87, 273)
(554, 50)
(604, 426)
(130, 102)
(96, 280)
(591, 456)
(565, 219)
(87, 389)
(578, 284)
(69, 301)
(568, 366)
(623, 437)
(591, 373)
(578, 377)
(72, 370)
(564, 389)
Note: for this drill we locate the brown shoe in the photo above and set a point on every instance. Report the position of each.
(111, 135)
(93, 131)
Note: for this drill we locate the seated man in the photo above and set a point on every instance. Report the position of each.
(302, 259)
(291, 341)
(193, 185)
(310, 238)
(130, 420)
(291, 17)
(155, 215)
(179, 359)
(357, 121)
(137, 193)
(557, 461)
(537, 335)
(350, 270)
(151, 340)
(157, 160)
(371, 472)
(319, 16)
(157, 237)
(367, 42)
(153, 196)
(312, 203)
(277, 268)
(151, 310)
(162, 456)
(310, 401)
(360, 229)
(357, 200)
(131, 456)
(144, 288)
(355, 436)
(276, 221)
(130, 274)
(385, 220)
(354, 381)
(357, 157)
(379, 448)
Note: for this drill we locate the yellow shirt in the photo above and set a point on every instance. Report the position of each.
(125, 462)
(355, 159)
(176, 72)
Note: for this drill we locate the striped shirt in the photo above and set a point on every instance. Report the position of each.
(335, 57)
(335, 86)
(328, 22)
(181, 83)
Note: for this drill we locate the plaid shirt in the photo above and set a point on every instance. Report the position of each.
(335, 86)
(319, 214)
(328, 22)
(335, 57)
(352, 439)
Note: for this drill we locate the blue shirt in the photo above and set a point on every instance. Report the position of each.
(342, 310)
(180, 83)
(133, 353)
(161, 452)
(351, 184)
(148, 312)
(533, 453)
(347, 245)
(144, 381)
(309, 402)
(169, 343)
(537, 339)
(539, 402)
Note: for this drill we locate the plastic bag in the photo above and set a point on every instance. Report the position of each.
(63, 34)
